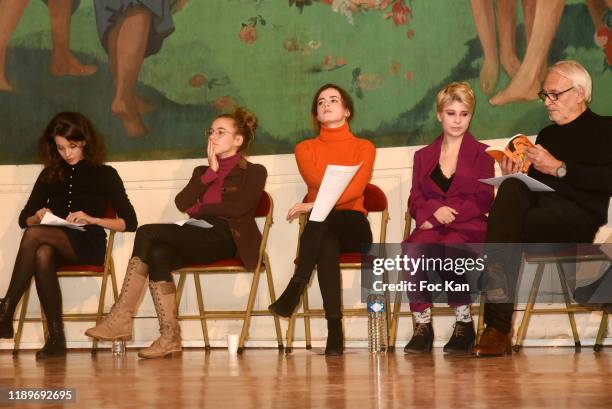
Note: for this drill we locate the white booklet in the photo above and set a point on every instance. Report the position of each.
(532, 184)
(335, 181)
(52, 220)
(194, 222)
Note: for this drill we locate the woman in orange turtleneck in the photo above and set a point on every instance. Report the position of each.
(346, 228)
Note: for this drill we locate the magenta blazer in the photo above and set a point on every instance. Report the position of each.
(472, 199)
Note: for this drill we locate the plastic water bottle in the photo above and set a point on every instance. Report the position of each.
(377, 324)
(118, 348)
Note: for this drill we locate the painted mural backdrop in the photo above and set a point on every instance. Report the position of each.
(153, 73)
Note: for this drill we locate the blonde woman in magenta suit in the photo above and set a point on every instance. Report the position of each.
(449, 205)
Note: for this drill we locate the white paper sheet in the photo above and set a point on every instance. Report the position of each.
(195, 222)
(52, 220)
(532, 184)
(335, 181)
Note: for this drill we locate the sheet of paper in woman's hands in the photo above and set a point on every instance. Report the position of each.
(335, 181)
(194, 222)
(533, 184)
(52, 220)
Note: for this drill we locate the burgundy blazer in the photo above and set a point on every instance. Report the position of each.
(472, 199)
(240, 196)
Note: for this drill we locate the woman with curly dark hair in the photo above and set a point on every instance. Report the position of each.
(76, 185)
(225, 194)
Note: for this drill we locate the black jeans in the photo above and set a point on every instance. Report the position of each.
(166, 247)
(343, 231)
(519, 215)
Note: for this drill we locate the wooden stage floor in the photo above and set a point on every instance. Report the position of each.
(262, 378)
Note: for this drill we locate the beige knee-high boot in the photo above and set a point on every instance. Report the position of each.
(164, 297)
(118, 323)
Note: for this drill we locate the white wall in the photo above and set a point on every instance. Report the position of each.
(152, 186)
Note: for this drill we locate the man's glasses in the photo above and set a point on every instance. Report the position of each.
(553, 96)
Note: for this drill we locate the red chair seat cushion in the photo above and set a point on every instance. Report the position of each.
(227, 262)
(91, 268)
(348, 258)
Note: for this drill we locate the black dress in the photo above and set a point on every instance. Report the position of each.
(88, 188)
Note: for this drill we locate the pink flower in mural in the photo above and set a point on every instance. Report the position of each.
(248, 34)
(197, 81)
(400, 13)
(330, 63)
(225, 103)
(291, 45)
(395, 67)
(410, 34)
(603, 39)
(409, 75)
(603, 36)
(370, 81)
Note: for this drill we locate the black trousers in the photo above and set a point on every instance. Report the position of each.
(343, 231)
(519, 215)
(166, 247)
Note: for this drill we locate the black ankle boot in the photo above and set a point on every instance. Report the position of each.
(6, 319)
(422, 339)
(56, 343)
(335, 337)
(462, 340)
(289, 299)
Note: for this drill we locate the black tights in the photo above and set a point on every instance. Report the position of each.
(41, 251)
(343, 231)
(166, 247)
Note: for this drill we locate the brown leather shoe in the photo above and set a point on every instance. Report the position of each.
(493, 343)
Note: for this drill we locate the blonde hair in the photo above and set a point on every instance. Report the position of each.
(577, 74)
(456, 91)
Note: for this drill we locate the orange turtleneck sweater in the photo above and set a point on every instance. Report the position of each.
(336, 146)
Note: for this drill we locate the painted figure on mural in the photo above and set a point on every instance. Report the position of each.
(130, 31)
(541, 22)
(63, 62)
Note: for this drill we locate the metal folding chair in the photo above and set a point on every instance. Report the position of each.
(375, 200)
(583, 254)
(234, 266)
(103, 271)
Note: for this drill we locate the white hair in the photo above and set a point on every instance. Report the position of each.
(576, 73)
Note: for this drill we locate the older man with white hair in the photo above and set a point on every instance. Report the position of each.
(574, 157)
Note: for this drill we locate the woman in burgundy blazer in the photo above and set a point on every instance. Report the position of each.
(449, 205)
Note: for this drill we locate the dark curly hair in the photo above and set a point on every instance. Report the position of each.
(74, 127)
(245, 123)
(347, 102)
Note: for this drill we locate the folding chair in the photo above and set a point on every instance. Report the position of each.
(601, 334)
(102, 271)
(443, 311)
(233, 266)
(375, 200)
(584, 254)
